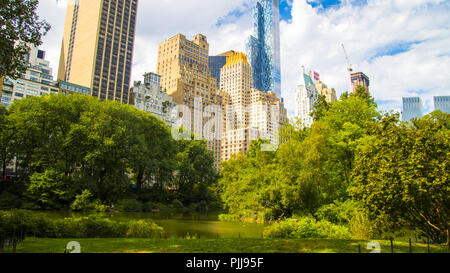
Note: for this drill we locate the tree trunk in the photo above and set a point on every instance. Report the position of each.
(448, 237)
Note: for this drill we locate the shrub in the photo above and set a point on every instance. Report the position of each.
(306, 227)
(9, 201)
(228, 218)
(129, 205)
(82, 201)
(338, 212)
(177, 204)
(143, 229)
(361, 226)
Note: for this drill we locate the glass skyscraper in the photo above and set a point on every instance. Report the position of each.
(215, 64)
(442, 103)
(412, 108)
(263, 47)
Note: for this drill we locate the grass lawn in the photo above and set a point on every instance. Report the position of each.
(132, 245)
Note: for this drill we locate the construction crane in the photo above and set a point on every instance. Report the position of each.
(350, 69)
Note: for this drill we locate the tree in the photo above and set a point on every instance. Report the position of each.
(7, 133)
(20, 26)
(196, 178)
(401, 174)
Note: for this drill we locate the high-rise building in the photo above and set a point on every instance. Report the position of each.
(442, 103)
(216, 63)
(97, 47)
(306, 95)
(263, 47)
(36, 81)
(185, 75)
(360, 79)
(412, 108)
(150, 97)
(250, 113)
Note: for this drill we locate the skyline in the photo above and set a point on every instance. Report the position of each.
(402, 46)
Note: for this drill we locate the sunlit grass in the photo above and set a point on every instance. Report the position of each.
(133, 245)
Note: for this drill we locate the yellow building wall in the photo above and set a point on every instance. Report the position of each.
(85, 44)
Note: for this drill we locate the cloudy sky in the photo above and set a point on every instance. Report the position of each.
(402, 45)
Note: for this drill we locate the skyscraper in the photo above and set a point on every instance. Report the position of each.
(216, 63)
(250, 113)
(185, 75)
(306, 95)
(97, 46)
(412, 108)
(263, 47)
(442, 103)
(360, 79)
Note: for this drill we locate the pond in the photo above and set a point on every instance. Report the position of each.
(180, 225)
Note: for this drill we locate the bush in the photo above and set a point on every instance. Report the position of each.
(361, 226)
(34, 224)
(143, 229)
(129, 205)
(9, 201)
(83, 203)
(338, 212)
(306, 227)
(177, 204)
(228, 218)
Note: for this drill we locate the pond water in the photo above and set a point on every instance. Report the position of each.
(180, 225)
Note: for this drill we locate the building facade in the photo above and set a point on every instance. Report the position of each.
(97, 47)
(412, 108)
(360, 79)
(330, 94)
(250, 113)
(185, 75)
(150, 97)
(442, 103)
(306, 96)
(36, 81)
(263, 47)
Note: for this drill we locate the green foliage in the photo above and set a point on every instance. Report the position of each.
(228, 218)
(67, 144)
(311, 168)
(338, 212)
(37, 225)
(84, 202)
(406, 182)
(129, 205)
(19, 23)
(144, 229)
(306, 227)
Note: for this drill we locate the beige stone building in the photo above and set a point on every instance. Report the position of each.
(330, 94)
(97, 47)
(183, 66)
(250, 113)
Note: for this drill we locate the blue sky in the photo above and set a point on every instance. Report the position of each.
(402, 45)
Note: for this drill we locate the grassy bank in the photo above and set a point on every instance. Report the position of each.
(132, 245)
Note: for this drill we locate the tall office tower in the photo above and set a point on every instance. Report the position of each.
(330, 94)
(250, 113)
(360, 79)
(185, 75)
(306, 95)
(97, 47)
(216, 63)
(36, 81)
(442, 103)
(412, 108)
(263, 47)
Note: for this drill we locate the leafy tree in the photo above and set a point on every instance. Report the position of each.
(7, 134)
(196, 178)
(401, 174)
(20, 26)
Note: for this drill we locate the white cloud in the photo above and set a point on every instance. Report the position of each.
(311, 38)
(314, 39)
